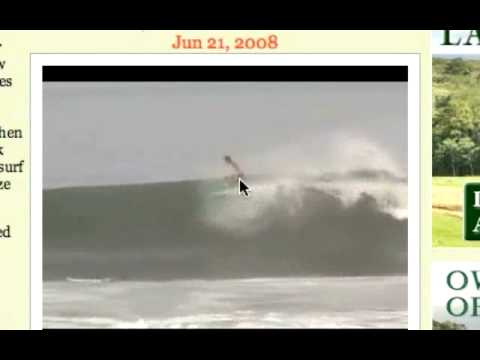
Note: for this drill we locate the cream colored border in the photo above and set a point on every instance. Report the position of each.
(410, 60)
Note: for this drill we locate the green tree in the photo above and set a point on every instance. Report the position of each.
(447, 325)
(448, 149)
(468, 152)
(458, 66)
(456, 117)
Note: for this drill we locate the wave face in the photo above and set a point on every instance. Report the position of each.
(349, 224)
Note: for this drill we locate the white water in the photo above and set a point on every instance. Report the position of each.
(297, 167)
(331, 302)
(226, 209)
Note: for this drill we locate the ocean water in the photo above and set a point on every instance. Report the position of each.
(352, 224)
(300, 302)
(326, 251)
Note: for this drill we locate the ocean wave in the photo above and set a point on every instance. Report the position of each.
(88, 281)
(292, 195)
(349, 224)
(300, 302)
(242, 320)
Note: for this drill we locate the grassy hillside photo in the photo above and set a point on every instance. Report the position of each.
(456, 145)
(447, 219)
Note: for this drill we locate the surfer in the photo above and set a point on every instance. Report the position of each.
(238, 172)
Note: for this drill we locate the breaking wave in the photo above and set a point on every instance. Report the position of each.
(352, 223)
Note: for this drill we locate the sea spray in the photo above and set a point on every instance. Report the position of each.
(288, 196)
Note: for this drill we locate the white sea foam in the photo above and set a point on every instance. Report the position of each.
(227, 210)
(331, 302)
(88, 281)
(296, 170)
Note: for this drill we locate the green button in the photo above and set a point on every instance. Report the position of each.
(471, 212)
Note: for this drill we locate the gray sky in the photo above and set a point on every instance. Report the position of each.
(119, 133)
